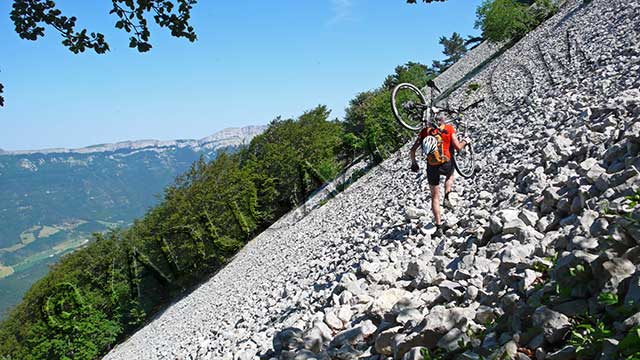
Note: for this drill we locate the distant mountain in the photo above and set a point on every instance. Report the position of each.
(52, 200)
(224, 138)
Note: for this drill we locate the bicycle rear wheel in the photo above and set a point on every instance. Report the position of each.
(464, 161)
(408, 105)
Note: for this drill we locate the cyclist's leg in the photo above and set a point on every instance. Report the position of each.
(435, 203)
(447, 171)
(433, 177)
(448, 184)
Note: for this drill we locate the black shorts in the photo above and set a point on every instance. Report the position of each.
(434, 172)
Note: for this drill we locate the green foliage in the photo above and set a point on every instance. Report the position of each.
(369, 122)
(228, 244)
(630, 344)
(31, 16)
(543, 9)
(242, 221)
(560, 292)
(608, 298)
(473, 87)
(634, 199)
(352, 146)
(588, 337)
(412, 72)
(503, 20)
(76, 311)
(438, 354)
(577, 271)
(454, 48)
(73, 330)
(579, 274)
(274, 158)
(539, 266)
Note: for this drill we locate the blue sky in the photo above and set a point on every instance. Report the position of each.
(254, 60)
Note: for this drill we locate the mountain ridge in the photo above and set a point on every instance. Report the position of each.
(223, 136)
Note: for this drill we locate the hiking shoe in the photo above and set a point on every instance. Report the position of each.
(439, 232)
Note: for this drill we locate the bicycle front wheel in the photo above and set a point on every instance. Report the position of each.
(464, 161)
(408, 105)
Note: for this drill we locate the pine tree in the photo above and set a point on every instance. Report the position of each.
(454, 48)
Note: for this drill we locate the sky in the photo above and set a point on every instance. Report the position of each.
(253, 61)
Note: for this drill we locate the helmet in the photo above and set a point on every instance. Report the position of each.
(429, 145)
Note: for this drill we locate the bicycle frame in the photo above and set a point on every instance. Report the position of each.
(422, 115)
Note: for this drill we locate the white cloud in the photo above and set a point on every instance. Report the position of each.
(341, 10)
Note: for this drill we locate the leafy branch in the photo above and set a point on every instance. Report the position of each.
(132, 19)
(588, 337)
(30, 18)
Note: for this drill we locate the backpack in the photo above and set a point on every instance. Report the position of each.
(437, 157)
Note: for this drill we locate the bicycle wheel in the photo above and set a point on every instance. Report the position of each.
(464, 161)
(408, 105)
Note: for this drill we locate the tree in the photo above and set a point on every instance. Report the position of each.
(473, 41)
(454, 48)
(504, 20)
(369, 119)
(30, 18)
(275, 156)
(71, 329)
(411, 72)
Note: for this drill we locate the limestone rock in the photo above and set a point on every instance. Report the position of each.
(554, 324)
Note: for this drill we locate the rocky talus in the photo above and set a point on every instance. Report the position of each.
(543, 241)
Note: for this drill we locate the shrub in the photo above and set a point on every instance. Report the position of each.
(503, 20)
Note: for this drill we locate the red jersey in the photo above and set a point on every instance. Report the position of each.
(446, 132)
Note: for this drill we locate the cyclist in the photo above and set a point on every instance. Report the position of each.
(438, 143)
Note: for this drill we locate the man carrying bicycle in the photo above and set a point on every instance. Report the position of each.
(437, 143)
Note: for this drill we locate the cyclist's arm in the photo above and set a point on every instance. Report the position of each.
(458, 145)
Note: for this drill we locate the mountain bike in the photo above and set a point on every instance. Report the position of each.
(414, 112)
